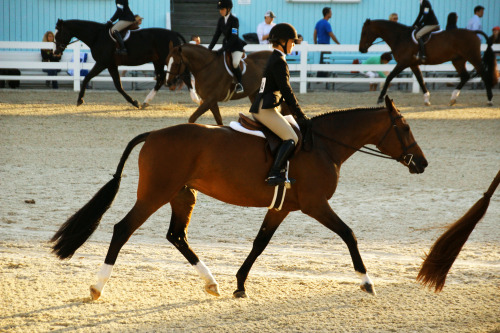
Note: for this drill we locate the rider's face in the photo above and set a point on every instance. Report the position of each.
(223, 11)
(290, 45)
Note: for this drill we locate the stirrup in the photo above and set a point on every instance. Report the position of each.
(239, 88)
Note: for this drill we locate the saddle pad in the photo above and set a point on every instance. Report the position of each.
(239, 128)
(243, 64)
(125, 38)
(427, 37)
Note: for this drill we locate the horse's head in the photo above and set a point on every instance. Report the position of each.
(62, 37)
(399, 143)
(177, 70)
(368, 36)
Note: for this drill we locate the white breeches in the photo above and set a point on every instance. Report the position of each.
(236, 58)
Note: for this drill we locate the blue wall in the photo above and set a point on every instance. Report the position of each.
(347, 18)
(27, 20)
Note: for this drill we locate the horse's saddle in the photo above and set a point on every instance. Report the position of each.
(228, 62)
(253, 127)
(125, 35)
(426, 38)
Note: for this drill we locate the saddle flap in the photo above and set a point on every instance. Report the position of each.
(228, 61)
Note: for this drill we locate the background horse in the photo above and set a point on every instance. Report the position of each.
(212, 81)
(143, 46)
(231, 166)
(457, 46)
(445, 250)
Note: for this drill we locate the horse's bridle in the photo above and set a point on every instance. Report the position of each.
(405, 157)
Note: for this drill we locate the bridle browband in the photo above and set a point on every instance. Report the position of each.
(405, 157)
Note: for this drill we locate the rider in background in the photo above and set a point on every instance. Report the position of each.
(125, 18)
(228, 25)
(425, 23)
(275, 88)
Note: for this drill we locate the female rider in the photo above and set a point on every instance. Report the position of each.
(125, 18)
(275, 88)
(426, 22)
(228, 25)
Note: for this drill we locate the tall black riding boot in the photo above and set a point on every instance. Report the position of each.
(239, 86)
(285, 150)
(421, 45)
(122, 50)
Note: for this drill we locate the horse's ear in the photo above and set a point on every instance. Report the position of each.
(389, 103)
(367, 21)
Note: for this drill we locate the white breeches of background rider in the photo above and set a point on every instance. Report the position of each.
(120, 25)
(236, 58)
(426, 29)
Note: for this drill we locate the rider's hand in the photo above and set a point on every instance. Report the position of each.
(109, 24)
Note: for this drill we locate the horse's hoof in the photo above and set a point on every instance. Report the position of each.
(136, 104)
(369, 288)
(453, 102)
(240, 294)
(490, 103)
(94, 293)
(79, 102)
(212, 289)
(144, 105)
(380, 101)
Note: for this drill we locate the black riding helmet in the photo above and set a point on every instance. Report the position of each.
(283, 31)
(225, 4)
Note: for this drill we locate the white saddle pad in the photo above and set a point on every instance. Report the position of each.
(243, 71)
(237, 127)
(127, 35)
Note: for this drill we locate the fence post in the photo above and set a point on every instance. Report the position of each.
(303, 70)
(76, 66)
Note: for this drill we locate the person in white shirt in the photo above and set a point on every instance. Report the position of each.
(475, 21)
(265, 27)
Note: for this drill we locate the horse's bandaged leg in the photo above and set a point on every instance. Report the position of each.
(102, 278)
(211, 286)
(427, 97)
(366, 283)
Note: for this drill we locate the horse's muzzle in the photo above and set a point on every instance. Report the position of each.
(417, 164)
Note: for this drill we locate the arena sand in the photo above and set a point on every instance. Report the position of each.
(55, 156)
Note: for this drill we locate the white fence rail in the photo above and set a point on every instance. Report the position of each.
(26, 57)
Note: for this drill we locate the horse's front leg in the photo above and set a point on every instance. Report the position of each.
(326, 216)
(207, 104)
(160, 79)
(271, 222)
(464, 77)
(182, 207)
(113, 71)
(418, 74)
(98, 68)
(398, 69)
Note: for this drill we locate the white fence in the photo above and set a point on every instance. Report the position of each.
(26, 57)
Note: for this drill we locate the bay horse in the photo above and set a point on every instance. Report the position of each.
(212, 81)
(144, 45)
(178, 161)
(457, 46)
(447, 247)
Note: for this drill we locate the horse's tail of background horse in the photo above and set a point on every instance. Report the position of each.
(489, 62)
(446, 249)
(79, 227)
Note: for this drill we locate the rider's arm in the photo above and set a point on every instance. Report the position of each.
(282, 78)
(119, 11)
(217, 34)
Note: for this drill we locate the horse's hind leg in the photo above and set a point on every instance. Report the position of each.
(182, 207)
(420, 79)
(271, 222)
(121, 233)
(398, 69)
(113, 71)
(98, 68)
(326, 216)
(160, 79)
(464, 77)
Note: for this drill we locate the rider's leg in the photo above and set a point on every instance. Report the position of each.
(273, 120)
(119, 26)
(423, 31)
(236, 56)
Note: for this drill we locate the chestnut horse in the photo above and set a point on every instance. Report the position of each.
(230, 166)
(212, 81)
(457, 46)
(445, 250)
(143, 46)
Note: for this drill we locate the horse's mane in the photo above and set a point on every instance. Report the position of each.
(344, 111)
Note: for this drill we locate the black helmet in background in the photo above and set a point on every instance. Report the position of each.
(225, 4)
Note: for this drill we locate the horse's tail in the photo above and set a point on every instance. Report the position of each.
(489, 63)
(181, 37)
(446, 249)
(79, 227)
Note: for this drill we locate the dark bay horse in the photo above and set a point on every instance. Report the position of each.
(178, 161)
(212, 81)
(447, 247)
(144, 45)
(457, 46)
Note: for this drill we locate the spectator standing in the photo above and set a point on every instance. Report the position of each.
(265, 27)
(49, 56)
(394, 17)
(475, 21)
(322, 35)
(451, 22)
(377, 60)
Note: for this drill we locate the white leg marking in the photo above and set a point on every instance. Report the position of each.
(204, 273)
(150, 96)
(427, 97)
(103, 276)
(455, 94)
(364, 278)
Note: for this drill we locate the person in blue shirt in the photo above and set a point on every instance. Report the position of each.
(322, 35)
